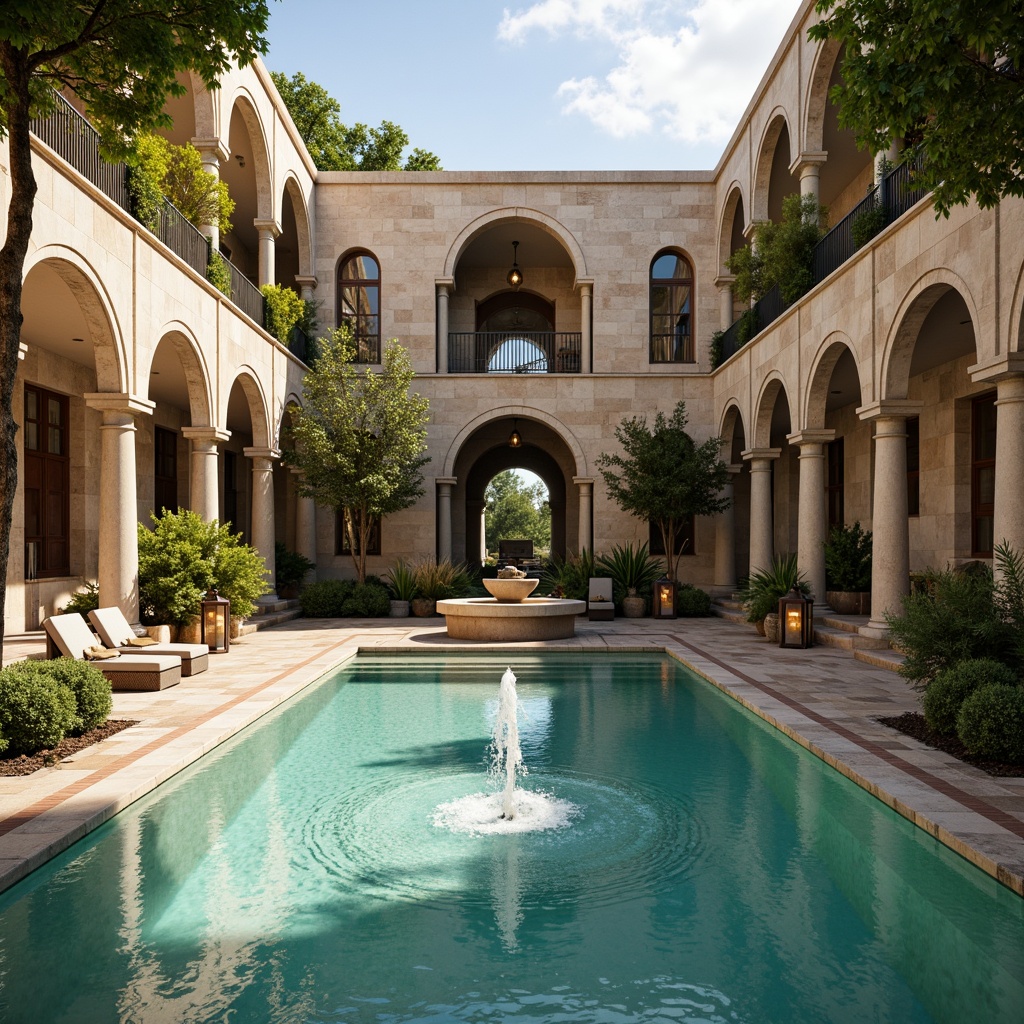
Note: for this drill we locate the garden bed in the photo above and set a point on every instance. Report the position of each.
(26, 764)
(912, 723)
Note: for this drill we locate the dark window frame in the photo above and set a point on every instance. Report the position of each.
(981, 511)
(671, 346)
(835, 480)
(367, 342)
(165, 457)
(913, 466)
(52, 547)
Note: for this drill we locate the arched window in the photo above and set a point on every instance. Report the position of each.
(359, 303)
(671, 309)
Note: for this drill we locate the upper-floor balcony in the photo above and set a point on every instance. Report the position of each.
(514, 351)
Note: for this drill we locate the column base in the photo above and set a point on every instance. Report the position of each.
(876, 629)
(271, 603)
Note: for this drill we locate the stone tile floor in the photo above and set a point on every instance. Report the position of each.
(822, 698)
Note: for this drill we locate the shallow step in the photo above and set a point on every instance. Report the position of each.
(847, 623)
(729, 614)
(888, 659)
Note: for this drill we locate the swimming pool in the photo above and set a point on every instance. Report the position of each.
(714, 871)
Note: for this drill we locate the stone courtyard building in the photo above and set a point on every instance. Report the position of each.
(892, 393)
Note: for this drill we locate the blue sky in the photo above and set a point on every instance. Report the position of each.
(545, 85)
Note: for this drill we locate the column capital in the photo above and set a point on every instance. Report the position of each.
(113, 401)
(902, 407)
(212, 146)
(444, 284)
(809, 437)
(585, 285)
(306, 280)
(724, 281)
(807, 160)
(734, 467)
(583, 481)
(271, 226)
(446, 481)
(1010, 364)
(211, 434)
(261, 453)
(751, 454)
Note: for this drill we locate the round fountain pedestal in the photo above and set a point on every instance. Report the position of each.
(536, 618)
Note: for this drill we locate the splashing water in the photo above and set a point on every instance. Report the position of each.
(508, 755)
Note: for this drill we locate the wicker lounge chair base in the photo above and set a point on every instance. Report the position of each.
(113, 627)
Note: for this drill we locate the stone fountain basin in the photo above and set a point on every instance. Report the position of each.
(510, 591)
(484, 618)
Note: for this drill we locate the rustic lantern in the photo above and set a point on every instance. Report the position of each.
(664, 603)
(796, 620)
(215, 616)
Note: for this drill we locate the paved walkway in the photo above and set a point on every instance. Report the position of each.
(822, 697)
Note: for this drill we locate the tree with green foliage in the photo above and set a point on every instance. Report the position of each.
(335, 146)
(947, 78)
(516, 510)
(121, 59)
(664, 476)
(360, 438)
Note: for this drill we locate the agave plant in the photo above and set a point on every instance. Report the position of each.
(437, 581)
(401, 579)
(763, 588)
(632, 568)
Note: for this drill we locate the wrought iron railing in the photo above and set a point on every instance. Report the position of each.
(246, 296)
(840, 243)
(303, 346)
(183, 237)
(514, 352)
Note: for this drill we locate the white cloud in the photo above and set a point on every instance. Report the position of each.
(688, 67)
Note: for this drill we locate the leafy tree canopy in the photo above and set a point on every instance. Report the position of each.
(360, 438)
(945, 77)
(516, 510)
(663, 475)
(337, 147)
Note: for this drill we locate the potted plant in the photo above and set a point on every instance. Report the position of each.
(848, 570)
(290, 571)
(435, 581)
(633, 572)
(401, 580)
(763, 589)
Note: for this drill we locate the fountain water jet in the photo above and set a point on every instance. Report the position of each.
(508, 755)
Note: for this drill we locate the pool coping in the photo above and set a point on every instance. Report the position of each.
(955, 803)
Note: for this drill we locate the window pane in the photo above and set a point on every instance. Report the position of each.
(53, 411)
(986, 485)
(984, 535)
(360, 268)
(31, 405)
(985, 428)
(32, 436)
(670, 266)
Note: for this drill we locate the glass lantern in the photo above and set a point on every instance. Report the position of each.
(215, 617)
(664, 604)
(796, 620)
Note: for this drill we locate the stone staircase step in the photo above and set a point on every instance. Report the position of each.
(888, 659)
(847, 623)
(728, 613)
(272, 615)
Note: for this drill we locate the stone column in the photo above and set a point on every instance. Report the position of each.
(1007, 373)
(444, 288)
(725, 539)
(211, 152)
(204, 478)
(807, 166)
(586, 328)
(118, 490)
(762, 522)
(305, 522)
(268, 231)
(724, 283)
(307, 285)
(444, 516)
(262, 530)
(586, 486)
(890, 545)
(483, 535)
(813, 515)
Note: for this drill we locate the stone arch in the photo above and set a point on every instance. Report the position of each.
(732, 416)
(816, 96)
(733, 201)
(541, 220)
(824, 362)
(906, 326)
(777, 121)
(302, 222)
(265, 198)
(248, 380)
(194, 367)
(774, 385)
(522, 412)
(110, 355)
(1015, 339)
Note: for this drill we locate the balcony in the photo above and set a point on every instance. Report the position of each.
(514, 352)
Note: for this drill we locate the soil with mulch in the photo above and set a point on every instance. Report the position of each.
(26, 764)
(911, 723)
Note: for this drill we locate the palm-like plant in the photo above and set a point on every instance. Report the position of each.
(632, 568)
(401, 578)
(569, 577)
(762, 590)
(438, 581)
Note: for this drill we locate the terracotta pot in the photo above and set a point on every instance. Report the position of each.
(633, 605)
(399, 609)
(771, 627)
(759, 626)
(849, 602)
(423, 607)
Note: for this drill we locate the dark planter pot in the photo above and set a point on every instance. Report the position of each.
(849, 602)
(288, 592)
(423, 607)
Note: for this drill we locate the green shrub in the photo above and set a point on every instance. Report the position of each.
(83, 601)
(848, 558)
(991, 722)
(867, 224)
(692, 602)
(368, 600)
(569, 577)
(952, 617)
(401, 579)
(93, 698)
(218, 273)
(284, 310)
(438, 581)
(36, 711)
(290, 568)
(947, 692)
(762, 590)
(325, 598)
(3, 742)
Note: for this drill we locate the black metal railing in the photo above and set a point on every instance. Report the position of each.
(183, 237)
(300, 345)
(514, 352)
(71, 136)
(840, 243)
(246, 296)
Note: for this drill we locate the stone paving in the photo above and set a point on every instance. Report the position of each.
(822, 698)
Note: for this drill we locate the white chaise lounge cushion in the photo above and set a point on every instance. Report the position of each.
(115, 631)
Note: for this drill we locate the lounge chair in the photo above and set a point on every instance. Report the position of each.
(71, 636)
(114, 631)
(600, 607)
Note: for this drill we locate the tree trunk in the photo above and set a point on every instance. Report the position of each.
(12, 265)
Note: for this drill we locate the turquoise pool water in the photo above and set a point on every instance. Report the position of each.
(715, 871)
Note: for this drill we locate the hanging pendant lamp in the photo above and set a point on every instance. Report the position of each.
(515, 439)
(515, 275)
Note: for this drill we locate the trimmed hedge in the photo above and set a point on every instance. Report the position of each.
(947, 692)
(991, 722)
(93, 696)
(330, 599)
(692, 602)
(36, 711)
